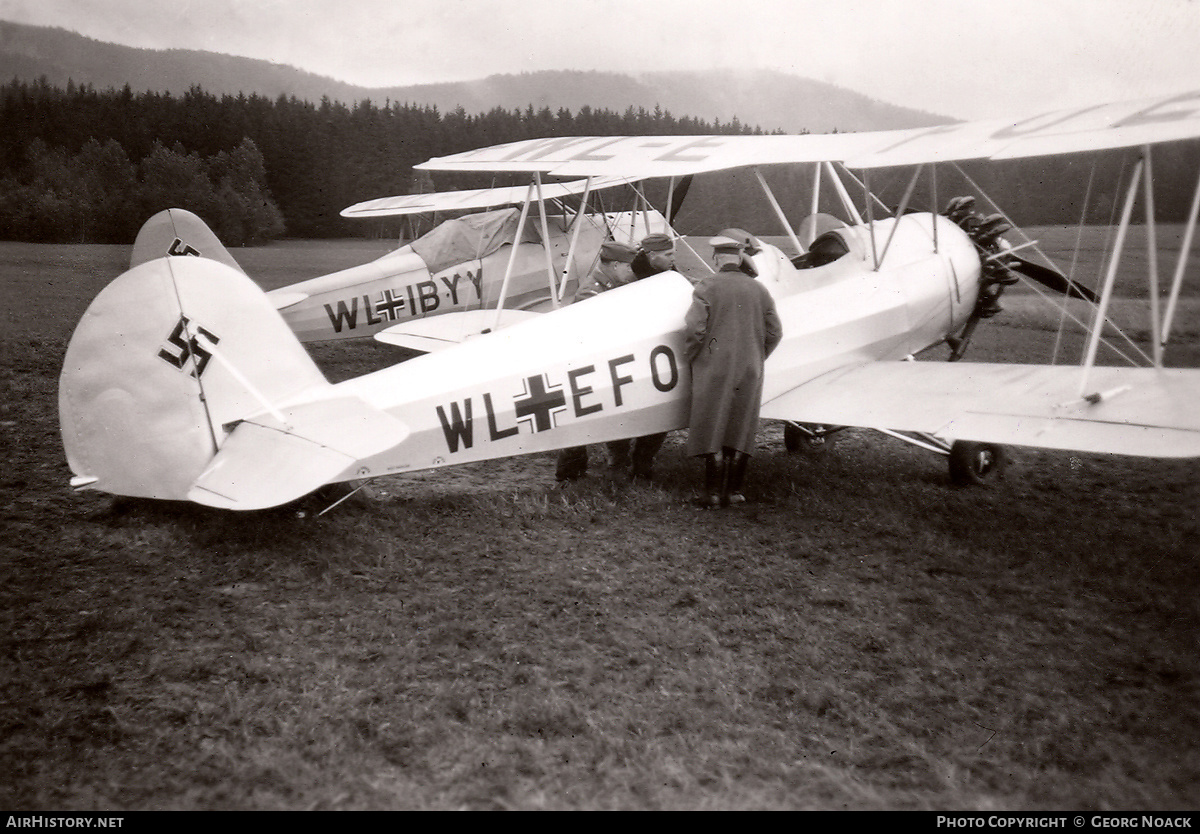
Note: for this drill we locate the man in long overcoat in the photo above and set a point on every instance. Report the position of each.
(730, 330)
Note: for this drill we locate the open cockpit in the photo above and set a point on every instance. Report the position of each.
(824, 250)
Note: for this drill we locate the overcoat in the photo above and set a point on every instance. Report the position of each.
(730, 329)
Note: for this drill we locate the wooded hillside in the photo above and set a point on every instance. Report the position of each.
(79, 165)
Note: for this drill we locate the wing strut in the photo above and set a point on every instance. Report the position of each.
(847, 203)
(815, 203)
(1184, 252)
(537, 181)
(641, 209)
(871, 195)
(1152, 256)
(934, 212)
(512, 256)
(866, 184)
(908, 192)
(779, 211)
(1106, 294)
(578, 225)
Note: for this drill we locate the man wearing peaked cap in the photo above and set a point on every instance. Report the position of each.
(750, 246)
(726, 244)
(749, 241)
(729, 331)
(655, 253)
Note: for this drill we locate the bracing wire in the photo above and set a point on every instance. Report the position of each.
(1061, 305)
(1087, 198)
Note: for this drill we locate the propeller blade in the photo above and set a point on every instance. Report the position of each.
(1051, 278)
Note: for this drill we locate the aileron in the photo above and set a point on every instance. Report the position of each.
(1156, 413)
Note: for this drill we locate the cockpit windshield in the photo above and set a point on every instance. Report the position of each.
(471, 237)
(824, 250)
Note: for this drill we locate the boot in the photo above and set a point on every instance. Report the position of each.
(644, 450)
(737, 477)
(572, 464)
(727, 459)
(618, 459)
(711, 499)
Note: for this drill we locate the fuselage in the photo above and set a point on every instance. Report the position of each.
(613, 366)
(459, 267)
(205, 394)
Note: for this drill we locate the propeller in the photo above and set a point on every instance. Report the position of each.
(1051, 278)
(1001, 268)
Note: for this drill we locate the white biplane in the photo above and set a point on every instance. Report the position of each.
(182, 381)
(443, 286)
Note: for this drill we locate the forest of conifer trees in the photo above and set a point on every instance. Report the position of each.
(79, 165)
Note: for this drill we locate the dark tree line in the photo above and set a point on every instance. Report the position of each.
(83, 165)
(97, 195)
(77, 164)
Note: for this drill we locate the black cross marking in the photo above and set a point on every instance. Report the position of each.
(540, 401)
(389, 305)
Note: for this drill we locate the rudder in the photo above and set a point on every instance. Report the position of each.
(178, 233)
(165, 361)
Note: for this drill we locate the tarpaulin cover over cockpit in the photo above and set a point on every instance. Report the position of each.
(470, 238)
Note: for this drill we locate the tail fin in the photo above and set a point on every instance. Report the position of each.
(177, 232)
(165, 365)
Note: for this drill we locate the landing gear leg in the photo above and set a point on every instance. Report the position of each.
(799, 437)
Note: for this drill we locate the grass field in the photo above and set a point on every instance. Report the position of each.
(859, 636)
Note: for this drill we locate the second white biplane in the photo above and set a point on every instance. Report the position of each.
(520, 250)
(182, 381)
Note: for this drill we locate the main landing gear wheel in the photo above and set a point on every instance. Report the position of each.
(972, 464)
(798, 437)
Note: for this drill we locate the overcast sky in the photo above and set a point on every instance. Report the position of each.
(961, 58)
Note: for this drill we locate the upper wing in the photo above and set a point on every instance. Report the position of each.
(472, 199)
(1148, 412)
(1094, 128)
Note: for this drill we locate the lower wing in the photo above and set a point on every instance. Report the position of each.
(1146, 412)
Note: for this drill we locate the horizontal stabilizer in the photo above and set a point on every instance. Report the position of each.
(439, 332)
(283, 298)
(276, 458)
(1147, 412)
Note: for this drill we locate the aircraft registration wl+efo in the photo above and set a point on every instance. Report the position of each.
(205, 394)
(445, 285)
